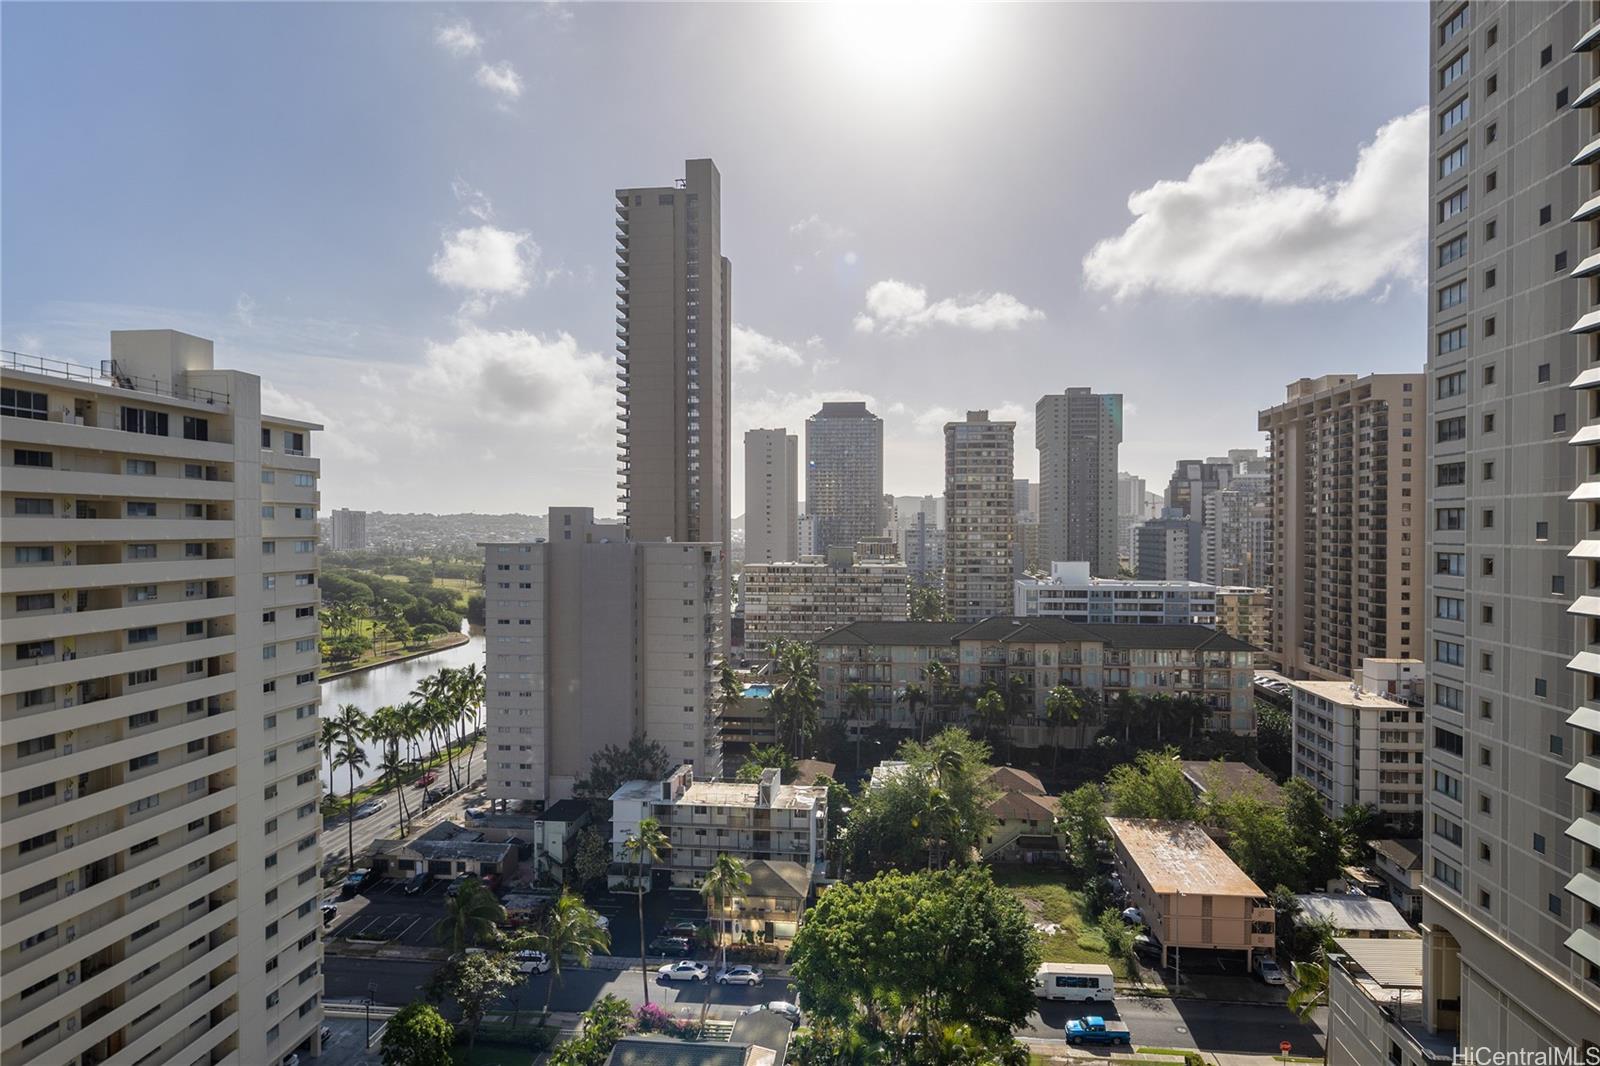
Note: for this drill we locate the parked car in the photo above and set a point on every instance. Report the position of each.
(455, 886)
(371, 807)
(357, 881)
(684, 970)
(491, 882)
(1146, 945)
(1267, 969)
(677, 946)
(329, 910)
(777, 1006)
(686, 928)
(1133, 916)
(740, 975)
(434, 795)
(532, 962)
(417, 881)
(1096, 1030)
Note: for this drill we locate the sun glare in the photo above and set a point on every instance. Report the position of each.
(898, 42)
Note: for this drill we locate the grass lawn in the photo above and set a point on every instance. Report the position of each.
(1046, 897)
(461, 586)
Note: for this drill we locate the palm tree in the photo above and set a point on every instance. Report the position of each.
(470, 916)
(432, 694)
(570, 928)
(645, 847)
(329, 741)
(939, 682)
(798, 695)
(469, 685)
(1062, 706)
(409, 716)
(858, 701)
(727, 878)
(386, 727)
(939, 818)
(992, 710)
(914, 698)
(352, 728)
(1311, 979)
(947, 765)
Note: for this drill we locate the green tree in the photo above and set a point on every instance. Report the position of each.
(1063, 706)
(951, 763)
(1274, 739)
(470, 917)
(1081, 816)
(1152, 786)
(417, 1035)
(906, 952)
(590, 859)
(1311, 830)
(1311, 987)
(352, 729)
(611, 766)
(858, 704)
(764, 757)
(992, 711)
(328, 738)
(915, 698)
(730, 693)
(645, 848)
(603, 1025)
(928, 605)
(476, 982)
(1118, 936)
(797, 697)
(940, 685)
(1258, 839)
(466, 690)
(570, 928)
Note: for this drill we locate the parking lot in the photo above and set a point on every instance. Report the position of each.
(385, 912)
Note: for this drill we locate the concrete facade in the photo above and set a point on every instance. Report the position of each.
(674, 299)
(844, 474)
(591, 639)
(980, 516)
(1077, 433)
(1355, 746)
(159, 817)
(349, 531)
(1070, 593)
(1246, 614)
(771, 496)
(1166, 548)
(1346, 493)
(804, 599)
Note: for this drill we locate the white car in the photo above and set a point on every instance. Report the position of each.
(532, 962)
(777, 1006)
(1267, 970)
(1133, 916)
(740, 975)
(686, 970)
(371, 807)
(603, 922)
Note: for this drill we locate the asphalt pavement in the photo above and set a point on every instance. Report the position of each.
(336, 830)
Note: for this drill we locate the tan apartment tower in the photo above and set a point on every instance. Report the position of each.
(674, 291)
(1511, 855)
(980, 516)
(771, 496)
(159, 761)
(1077, 433)
(1346, 492)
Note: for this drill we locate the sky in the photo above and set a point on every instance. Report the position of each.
(401, 215)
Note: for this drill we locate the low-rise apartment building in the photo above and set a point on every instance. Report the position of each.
(1398, 864)
(1375, 1006)
(803, 600)
(159, 771)
(703, 819)
(1190, 893)
(1072, 594)
(1107, 660)
(1355, 746)
(591, 639)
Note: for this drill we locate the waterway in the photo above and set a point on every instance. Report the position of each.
(392, 684)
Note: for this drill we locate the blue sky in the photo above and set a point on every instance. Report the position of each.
(401, 215)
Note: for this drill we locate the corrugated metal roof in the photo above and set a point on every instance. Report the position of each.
(1393, 963)
(1352, 913)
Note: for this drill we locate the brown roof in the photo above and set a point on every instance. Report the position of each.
(1231, 778)
(777, 878)
(1406, 854)
(1010, 779)
(1174, 856)
(806, 771)
(1024, 806)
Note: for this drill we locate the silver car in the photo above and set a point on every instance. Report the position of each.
(740, 975)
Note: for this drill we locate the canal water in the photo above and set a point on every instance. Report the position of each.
(392, 684)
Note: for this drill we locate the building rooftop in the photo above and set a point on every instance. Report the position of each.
(1346, 694)
(1023, 806)
(741, 794)
(669, 1051)
(1354, 913)
(806, 771)
(1406, 854)
(1177, 857)
(1230, 778)
(1010, 779)
(777, 877)
(1006, 629)
(567, 810)
(1389, 973)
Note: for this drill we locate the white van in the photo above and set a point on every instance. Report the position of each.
(1075, 982)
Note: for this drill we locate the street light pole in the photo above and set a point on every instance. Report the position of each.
(372, 990)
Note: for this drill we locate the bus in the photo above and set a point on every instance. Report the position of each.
(1075, 982)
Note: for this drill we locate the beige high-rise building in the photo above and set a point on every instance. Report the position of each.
(804, 599)
(1246, 613)
(1077, 433)
(159, 812)
(591, 639)
(674, 291)
(980, 516)
(1347, 487)
(1511, 862)
(771, 496)
(348, 531)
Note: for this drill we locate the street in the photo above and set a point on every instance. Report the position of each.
(386, 823)
(1182, 1023)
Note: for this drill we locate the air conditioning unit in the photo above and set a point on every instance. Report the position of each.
(72, 933)
(72, 978)
(72, 886)
(72, 1025)
(67, 792)
(68, 840)
(66, 749)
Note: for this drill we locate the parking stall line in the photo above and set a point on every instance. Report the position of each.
(400, 934)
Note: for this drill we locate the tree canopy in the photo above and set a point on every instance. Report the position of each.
(417, 1035)
(937, 807)
(1152, 786)
(641, 760)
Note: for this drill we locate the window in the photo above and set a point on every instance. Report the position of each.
(1448, 518)
(26, 748)
(1553, 904)
(1488, 278)
(1558, 424)
(1557, 745)
(1446, 874)
(194, 551)
(270, 651)
(1488, 518)
(142, 677)
(24, 403)
(1488, 470)
(1489, 228)
(1452, 250)
(141, 509)
(1490, 180)
(140, 762)
(38, 601)
(193, 470)
(1452, 384)
(35, 794)
(1447, 696)
(1449, 429)
(1541, 531)
(138, 420)
(266, 438)
(143, 718)
(142, 635)
(1488, 326)
(1452, 340)
(1546, 55)
(35, 649)
(29, 505)
(1489, 135)
(1488, 422)
(1558, 584)
(1454, 24)
(1452, 474)
(1449, 164)
(267, 476)
(43, 554)
(1452, 295)
(1453, 205)
(269, 547)
(305, 481)
(1447, 784)
(1491, 84)
(195, 428)
(294, 443)
(1450, 608)
(1561, 261)
(29, 457)
(1488, 566)
(140, 467)
(1448, 652)
(1454, 70)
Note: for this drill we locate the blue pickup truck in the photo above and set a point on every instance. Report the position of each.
(1096, 1030)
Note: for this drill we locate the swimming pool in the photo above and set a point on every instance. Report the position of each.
(757, 692)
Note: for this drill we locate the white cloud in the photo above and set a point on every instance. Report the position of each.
(244, 309)
(896, 307)
(472, 200)
(816, 224)
(517, 378)
(1237, 227)
(932, 419)
(459, 39)
(485, 261)
(500, 79)
(753, 350)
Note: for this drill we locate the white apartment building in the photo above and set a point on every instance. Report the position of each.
(1072, 594)
(159, 848)
(771, 495)
(1077, 433)
(591, 639)
(703, 819)
(1357, 746)
(980, 516)
(804, 599)
(349, 531)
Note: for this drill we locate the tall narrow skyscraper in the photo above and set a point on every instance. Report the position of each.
(160, 811)
(1077, 433)
(844, 474)
(673, 327)
(1511, 865)
(771, 495)
(980, 516)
